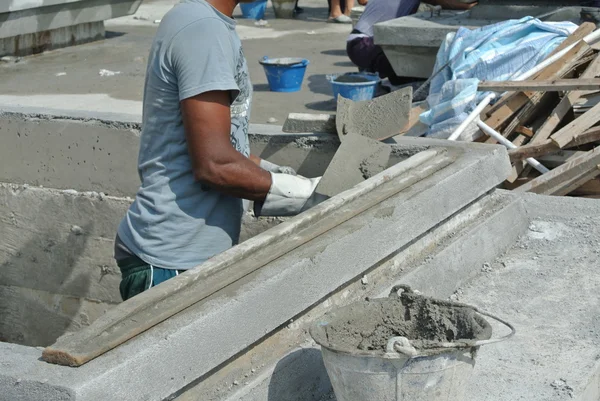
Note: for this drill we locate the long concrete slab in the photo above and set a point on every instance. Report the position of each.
(411, 43)
(200, 338)
(28, 27)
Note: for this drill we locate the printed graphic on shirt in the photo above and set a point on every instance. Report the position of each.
(240, 109)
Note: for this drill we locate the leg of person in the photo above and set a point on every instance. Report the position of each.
(349, 5)
(361, 52)
(138, 276)
(336, 14)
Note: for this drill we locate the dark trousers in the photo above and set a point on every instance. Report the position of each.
(368, 56)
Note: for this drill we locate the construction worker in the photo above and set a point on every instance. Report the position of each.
(362, 50)
(194, 160)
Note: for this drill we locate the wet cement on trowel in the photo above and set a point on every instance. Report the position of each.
(368, 325)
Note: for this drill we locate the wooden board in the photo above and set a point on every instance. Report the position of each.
(576, 127)
(552, 85)
(564, 106)
(553, 71)
(566, 177)
(581, 32)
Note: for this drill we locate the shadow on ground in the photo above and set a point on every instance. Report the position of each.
(300, 376)
(318, 83)
(345, 64)
(335, 52)
(261, 88)
(325, 105)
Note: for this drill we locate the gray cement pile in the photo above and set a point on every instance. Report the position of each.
(426, 322)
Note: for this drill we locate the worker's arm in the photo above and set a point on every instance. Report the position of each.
(215, 162)
(451, 4)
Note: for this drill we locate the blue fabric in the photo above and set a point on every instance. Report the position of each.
(496, 52)
(175, 222)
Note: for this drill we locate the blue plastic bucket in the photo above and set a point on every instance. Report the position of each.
(355, 86)
(254, 10)
(284, 74)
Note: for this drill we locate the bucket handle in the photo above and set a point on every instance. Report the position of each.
(461, 344)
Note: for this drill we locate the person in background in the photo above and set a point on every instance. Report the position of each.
(362, 50)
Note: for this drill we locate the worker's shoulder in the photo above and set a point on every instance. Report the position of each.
(194, 13)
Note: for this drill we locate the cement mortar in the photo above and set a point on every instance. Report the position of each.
(425, 322)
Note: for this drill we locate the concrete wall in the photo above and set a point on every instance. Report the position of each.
(97, 155)
(58, 273)
(56, 247)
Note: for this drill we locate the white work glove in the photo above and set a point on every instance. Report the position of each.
(288, 196)
(274, 168)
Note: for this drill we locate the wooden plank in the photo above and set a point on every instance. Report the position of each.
(555, 70)
(576, 182)
(538, 149)
(552, 85)
(566, 134)
(555, 159)
(564, 106)
(501, 115)
(581, 32)
(567, 176)
(591, 187)
(413, 119)
(528, 132)
(154, 306)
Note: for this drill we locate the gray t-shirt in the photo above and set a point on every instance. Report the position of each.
(384, 10)
(175, 222)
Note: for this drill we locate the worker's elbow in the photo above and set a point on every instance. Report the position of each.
(208, 173)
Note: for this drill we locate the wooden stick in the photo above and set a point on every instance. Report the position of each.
(548, 146)
(556, 85)
(566, 177)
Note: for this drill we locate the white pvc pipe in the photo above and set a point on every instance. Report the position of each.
(497, 136)
(590, 39)
(471, 117)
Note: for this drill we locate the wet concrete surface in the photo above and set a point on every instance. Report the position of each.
(70, 78)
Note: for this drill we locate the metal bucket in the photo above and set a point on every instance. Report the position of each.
(401, 373)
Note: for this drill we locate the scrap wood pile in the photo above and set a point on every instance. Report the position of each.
(553, 118)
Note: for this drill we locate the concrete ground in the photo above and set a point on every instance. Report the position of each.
(70, 78)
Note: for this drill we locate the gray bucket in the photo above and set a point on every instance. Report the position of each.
(367, 360)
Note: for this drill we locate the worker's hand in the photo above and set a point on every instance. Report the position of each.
(289, 195)
(274, 168)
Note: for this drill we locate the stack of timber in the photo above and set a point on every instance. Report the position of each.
(553, 118)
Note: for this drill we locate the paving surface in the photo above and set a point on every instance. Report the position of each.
(547, 286)
(69, 78)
